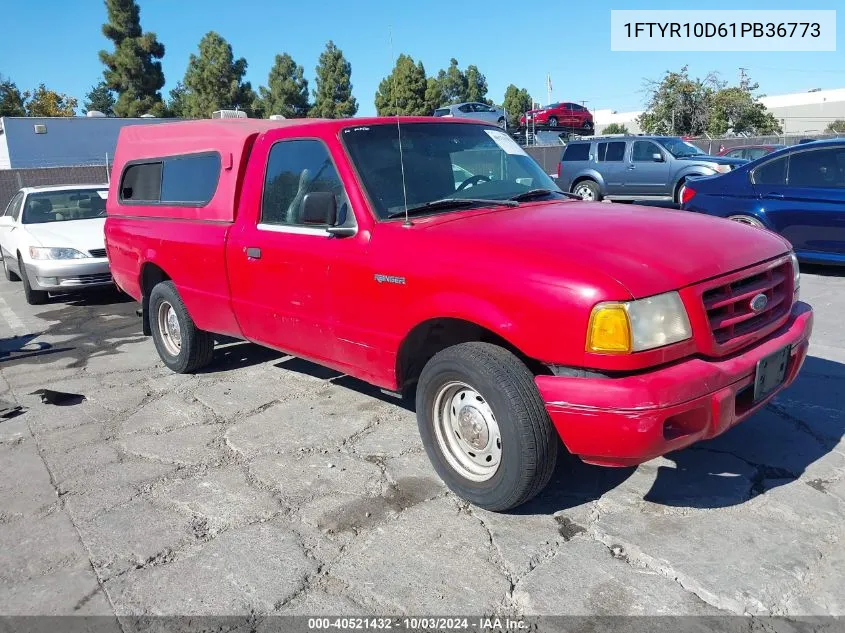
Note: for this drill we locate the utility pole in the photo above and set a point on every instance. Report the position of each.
(743, 79)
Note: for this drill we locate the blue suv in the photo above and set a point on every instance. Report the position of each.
(626, 167)
(798, 192)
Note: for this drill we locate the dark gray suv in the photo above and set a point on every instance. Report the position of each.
(619, 167)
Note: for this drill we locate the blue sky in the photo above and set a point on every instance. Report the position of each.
(56, 42)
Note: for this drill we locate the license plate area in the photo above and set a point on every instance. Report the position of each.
(771, 372)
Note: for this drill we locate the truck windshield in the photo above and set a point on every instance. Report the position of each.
(61, 206)
(441, 160)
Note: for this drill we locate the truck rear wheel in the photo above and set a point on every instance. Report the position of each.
(182, 346)
(484, 426)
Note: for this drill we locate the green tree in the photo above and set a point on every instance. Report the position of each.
(679, 104)
(517, 102)
(11, 99)
(333, 96)
(836, 127)
(287, 89)
(615, 128)
(133, 68)
(453, 83)
(737, 109)
(403, 91)
(99, 99)
(476, 85)
(176, 103)
(45, 102)
(433, 95)
(214, 80)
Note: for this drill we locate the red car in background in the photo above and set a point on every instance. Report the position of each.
(749, 152)
(566, 115)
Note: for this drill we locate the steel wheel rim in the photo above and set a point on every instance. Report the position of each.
(467, 432)
(551, 124)
(169, 328)
(584, 192)
(744, 219)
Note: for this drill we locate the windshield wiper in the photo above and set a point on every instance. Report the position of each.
(451, 203)
(539, 193)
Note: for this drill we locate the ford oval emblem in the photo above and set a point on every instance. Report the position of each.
(759, 302)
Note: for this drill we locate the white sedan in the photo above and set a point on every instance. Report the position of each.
(52, 239)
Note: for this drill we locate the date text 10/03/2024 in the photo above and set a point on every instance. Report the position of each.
(483, 624)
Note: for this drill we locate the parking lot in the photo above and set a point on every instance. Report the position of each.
(266, 484)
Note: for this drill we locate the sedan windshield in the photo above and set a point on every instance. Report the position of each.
(60, 206)
(441, 161)
(680, 149)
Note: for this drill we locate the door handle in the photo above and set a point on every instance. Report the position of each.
(253, 252)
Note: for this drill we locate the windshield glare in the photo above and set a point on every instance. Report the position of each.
(61, 206)
(441, 160)
(679, 148)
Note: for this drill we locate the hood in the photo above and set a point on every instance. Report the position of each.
(83, 235)
(718, 160)
(647, 250)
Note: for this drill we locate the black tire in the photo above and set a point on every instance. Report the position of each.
(8, 274)
(33, 297)
(552, 121)
(529, 442)
(593, 187)
(196, 346)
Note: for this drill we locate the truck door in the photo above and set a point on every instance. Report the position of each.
(278, 265)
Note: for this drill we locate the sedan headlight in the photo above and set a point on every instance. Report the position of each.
(635, 326)
(796, 277)
(721, 169)
(41, 252)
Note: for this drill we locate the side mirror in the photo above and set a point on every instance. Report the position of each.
(657, 157)
(319, 207)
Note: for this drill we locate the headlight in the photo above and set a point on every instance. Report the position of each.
(635, 326)
(40, 252)
(722, 169)
(796, 277)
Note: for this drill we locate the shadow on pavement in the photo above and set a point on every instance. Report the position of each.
(773, 448)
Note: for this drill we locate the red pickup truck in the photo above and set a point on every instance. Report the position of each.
(438, 258)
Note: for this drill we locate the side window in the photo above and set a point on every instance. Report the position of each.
(771, 173)
(13, 209)
(141, 183)
(190, 179)
(817, 168)
(615, 152)
(296, 168)
(601, 151)
(465, 108)
(482, 107)
(576, 151)
(643, 152)
(177, 180)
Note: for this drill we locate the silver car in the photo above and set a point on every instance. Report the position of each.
(478, 111)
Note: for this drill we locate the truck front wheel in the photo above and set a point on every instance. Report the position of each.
(182, 346)
(484, 426)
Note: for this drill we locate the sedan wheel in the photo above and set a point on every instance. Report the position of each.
(552, 121)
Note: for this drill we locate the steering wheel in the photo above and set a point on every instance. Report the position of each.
(472, 180)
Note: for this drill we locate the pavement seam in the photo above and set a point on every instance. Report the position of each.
(69, 515)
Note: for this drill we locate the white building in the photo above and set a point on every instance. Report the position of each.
(798, 113)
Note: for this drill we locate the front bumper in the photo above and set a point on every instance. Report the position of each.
(627, 421)
(68, 275)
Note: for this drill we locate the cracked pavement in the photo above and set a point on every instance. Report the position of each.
(269, 485)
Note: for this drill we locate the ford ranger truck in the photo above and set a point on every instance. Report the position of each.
(437, 258)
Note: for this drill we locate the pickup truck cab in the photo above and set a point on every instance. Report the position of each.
(514, 313)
